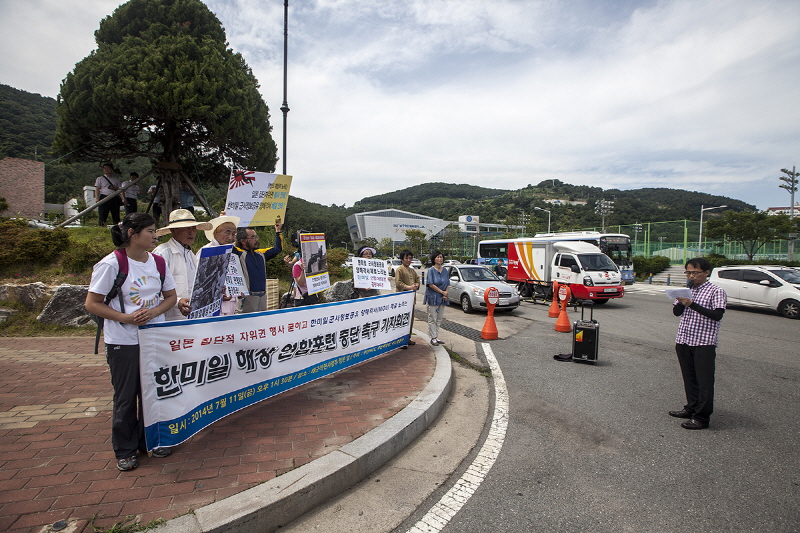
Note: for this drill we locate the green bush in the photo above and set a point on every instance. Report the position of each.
(645, 266)
(22, 247)
(81, 256)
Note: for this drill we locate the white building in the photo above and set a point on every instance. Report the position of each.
(392, 224)
(784, 210)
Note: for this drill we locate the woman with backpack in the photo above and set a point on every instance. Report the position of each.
(129, 289)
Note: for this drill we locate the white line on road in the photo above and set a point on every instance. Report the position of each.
(446, 508)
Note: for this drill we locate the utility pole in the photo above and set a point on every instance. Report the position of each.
(285, 106)
(791, 186)
(604, 208)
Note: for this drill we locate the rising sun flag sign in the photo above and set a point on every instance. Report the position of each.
(257, 198)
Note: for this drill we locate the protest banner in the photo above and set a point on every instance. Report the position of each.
(195, 372)
(315, 262)
(209, 281)
(257, 198)
(234, 281)
(370, 274)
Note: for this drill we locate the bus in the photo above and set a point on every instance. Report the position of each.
(616, 246)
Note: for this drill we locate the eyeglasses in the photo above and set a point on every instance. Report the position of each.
(690, 273)
(251, 238)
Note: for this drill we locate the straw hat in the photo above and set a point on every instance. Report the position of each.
(217, 222)
(182, 218)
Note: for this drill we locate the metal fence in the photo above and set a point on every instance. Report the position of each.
(677, 240)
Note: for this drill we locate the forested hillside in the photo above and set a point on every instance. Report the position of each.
(27, 126)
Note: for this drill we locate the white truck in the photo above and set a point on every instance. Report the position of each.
(534, 263)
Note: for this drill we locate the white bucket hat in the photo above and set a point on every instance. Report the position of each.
(217, 222)
(182, 218)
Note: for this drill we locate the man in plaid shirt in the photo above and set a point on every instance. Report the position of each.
(696, 343)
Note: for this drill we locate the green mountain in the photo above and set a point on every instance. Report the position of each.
(28, 122)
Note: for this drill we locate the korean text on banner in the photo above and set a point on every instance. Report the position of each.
(195, 372)
(257, 198)
(315, 261)
(370, 274)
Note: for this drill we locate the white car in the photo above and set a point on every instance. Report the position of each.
(391, 264)
(416, 263)
(775, 287)
(468, 283)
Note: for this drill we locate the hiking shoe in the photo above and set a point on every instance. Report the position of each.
(160, 453)
(124, 465)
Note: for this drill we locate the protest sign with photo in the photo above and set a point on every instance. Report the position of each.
(195, 372)
(370, 274)
(257, 198)
(315, 261)
(209, 281)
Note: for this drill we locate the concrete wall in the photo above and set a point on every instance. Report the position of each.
(22, 185)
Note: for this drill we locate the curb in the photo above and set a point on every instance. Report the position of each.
(279, 501)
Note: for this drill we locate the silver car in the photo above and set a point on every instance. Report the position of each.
(468, 283)
(775, 287)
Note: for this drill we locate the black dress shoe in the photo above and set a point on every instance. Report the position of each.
(694, 424)
(683, 413)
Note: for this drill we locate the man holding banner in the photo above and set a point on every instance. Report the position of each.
(254, 266)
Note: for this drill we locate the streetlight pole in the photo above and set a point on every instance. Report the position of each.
(345, 246)
(791, 186)
(285, 106)
(548, 217)
(700, 238)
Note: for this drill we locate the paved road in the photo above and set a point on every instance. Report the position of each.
(591, 448)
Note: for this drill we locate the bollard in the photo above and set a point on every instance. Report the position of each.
(562, 324)
(669, 280)
(553, 311)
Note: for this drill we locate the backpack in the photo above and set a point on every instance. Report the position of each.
(122, 260)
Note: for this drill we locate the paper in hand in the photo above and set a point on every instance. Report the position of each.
(674, 294)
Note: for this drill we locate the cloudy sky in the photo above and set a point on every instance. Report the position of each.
(385, 94)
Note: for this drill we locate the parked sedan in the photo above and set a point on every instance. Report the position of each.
(468, 283)
(775, 287)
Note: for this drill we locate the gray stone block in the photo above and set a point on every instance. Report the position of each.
(66, 307)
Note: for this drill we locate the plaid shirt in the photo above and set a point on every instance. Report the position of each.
(695, 329)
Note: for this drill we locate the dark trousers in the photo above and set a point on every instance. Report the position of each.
(697, 367)
(131, 205)
(127, 423)
(108, 207)
(308, 299)
(157, 212)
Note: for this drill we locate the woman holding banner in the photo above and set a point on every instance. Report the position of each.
(437, 280)
(140, 295)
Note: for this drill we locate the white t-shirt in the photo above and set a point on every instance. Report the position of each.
(105, 182)
(142, 288)
(132, 191)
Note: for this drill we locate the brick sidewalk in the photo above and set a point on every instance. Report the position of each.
(56, 461)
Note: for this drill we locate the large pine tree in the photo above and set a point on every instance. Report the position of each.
(163, 84)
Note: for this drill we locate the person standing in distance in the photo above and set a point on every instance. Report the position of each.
(131, 194)
(437, 280)
(407, 279)
(696, 342)
(106, 185)
(500, 270)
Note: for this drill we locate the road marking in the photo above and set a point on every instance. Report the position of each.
(446, 508)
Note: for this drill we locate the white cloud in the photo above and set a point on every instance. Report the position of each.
(698, 95)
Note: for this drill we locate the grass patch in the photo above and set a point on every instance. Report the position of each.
(127, 525)
(483, 370)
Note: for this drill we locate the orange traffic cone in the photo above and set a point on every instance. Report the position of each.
(489, 331)
(562, 324)
(553, 312)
